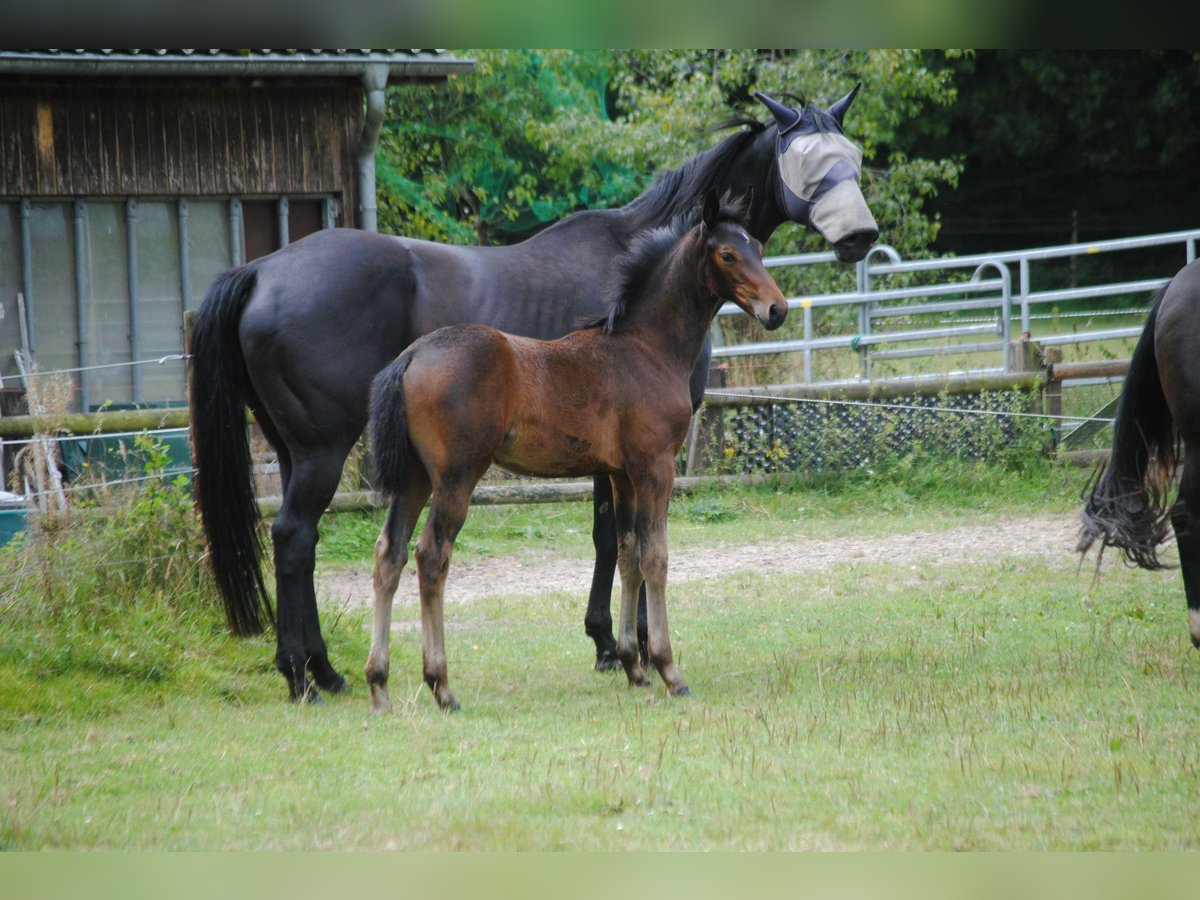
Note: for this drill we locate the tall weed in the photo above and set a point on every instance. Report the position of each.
(115, 584)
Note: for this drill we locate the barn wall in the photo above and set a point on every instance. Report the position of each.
(113, 137)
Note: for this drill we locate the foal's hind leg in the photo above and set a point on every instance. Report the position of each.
(391, 553)
(629, 565)
(598, 623)
(1185, 519)
(447, 512)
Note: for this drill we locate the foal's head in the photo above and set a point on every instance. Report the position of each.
(721, 259)
(733, 267)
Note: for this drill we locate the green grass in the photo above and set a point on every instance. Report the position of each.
(1009, 704)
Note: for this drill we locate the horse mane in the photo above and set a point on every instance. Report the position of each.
(671, 193)
(648, 251)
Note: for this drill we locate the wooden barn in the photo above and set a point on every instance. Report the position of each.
(129, 178)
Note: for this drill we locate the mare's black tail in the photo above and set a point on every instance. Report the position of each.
(390, 445)
(224, 486)
(1128, 505)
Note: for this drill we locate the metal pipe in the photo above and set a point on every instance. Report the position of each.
(374, 79)
(236, 238)
(284, 230)
(135, 331)
(229, 66)
(808, 334)
(82, 289)
(1005, 307)
(185, 263)
(27, 276)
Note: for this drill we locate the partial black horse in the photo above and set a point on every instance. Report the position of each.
(1157, 430)
(298, 335)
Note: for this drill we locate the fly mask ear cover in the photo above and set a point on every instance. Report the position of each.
(818, 172)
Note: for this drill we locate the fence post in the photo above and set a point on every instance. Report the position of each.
(708, 427)
(1054, 386)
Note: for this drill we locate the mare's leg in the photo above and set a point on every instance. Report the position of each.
(598, 621)
(1185, 519)
(310, 485)
(650, 527)
(629, 565)
(447, 512)
(391, 553)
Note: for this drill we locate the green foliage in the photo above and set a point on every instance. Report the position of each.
(1066, 145)
(505, 149)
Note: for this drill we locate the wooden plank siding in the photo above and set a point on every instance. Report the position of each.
(115, 138)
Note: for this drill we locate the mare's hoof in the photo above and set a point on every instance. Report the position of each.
(607, 661)
(330, 682)
(309, 697)
(681, 692)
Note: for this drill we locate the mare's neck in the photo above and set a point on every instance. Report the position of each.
(743, 164)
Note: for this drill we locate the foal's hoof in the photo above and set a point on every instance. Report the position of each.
(445, 699)
(681, 691)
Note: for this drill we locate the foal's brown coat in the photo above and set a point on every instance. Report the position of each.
(601, 400)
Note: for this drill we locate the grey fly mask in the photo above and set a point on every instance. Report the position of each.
(819, 170)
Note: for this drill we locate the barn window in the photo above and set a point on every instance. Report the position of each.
(107, 282)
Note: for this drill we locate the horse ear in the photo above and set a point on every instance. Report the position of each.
(838, 110)
(785, 116)
(712, 209)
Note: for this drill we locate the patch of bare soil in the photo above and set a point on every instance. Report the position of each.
(1050, 537)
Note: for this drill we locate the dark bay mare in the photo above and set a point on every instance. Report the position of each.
(298, 335)
(1157, 433)
(612, 400)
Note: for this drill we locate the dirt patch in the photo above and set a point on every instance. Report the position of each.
(1046, 537)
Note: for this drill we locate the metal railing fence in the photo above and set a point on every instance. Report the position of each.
(994, 290)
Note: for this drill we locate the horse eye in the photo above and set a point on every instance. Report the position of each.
(728, 258)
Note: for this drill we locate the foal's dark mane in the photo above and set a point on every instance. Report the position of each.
(638, 267)
(668, 195)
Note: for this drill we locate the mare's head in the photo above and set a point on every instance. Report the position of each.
(733, 263)
(819, 171)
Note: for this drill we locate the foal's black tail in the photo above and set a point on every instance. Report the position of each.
(390, 445)
(224, 487)
(1128, 505)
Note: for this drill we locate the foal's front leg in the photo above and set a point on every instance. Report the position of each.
(653, 485)
(654, 570)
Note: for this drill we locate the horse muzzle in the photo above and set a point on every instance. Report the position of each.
(775, 315)
(771, 310)
(843, 219)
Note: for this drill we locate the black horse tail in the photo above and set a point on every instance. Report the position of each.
(224, 486)
(1128, 503)
(390, 444)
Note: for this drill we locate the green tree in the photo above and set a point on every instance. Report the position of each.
(1063, 145)
(532, 135)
